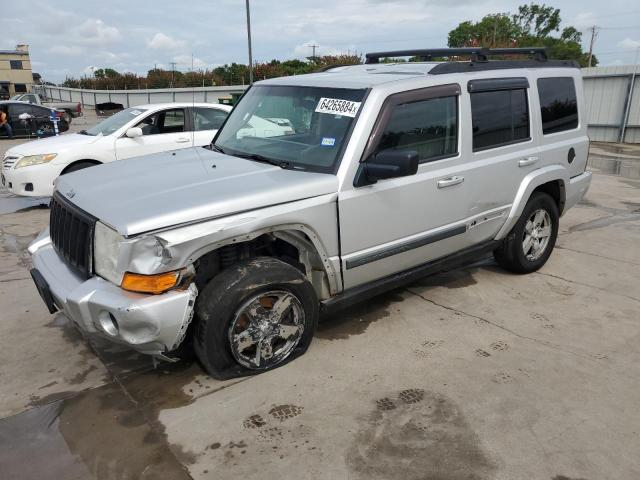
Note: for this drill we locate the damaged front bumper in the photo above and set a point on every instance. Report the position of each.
(151, 324)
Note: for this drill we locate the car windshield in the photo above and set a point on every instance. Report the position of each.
(115, 122)
(297, 127)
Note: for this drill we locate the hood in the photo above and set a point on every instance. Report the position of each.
(171, 188)
(53, 144)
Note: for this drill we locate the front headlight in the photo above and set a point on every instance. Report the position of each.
(35, 160)
(106, 246)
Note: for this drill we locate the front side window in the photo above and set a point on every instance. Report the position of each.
(208, 118)
(15, 64)
(114, 122)
(429, 127)
(166, 121)
(558, 104)
(499, 118)
(299, 127)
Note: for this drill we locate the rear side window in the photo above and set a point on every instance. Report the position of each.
(558, 104)
(499, 118)
(208, 118)
(429, 127)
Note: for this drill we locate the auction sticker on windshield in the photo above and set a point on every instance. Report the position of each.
(336, 106)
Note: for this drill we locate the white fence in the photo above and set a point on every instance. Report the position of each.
(131, 98)
(612, 100)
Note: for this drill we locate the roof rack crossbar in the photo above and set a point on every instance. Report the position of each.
(476, 54)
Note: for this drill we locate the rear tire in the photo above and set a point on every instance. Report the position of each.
(530, 242)
(254, 317)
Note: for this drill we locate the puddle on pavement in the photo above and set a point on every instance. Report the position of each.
(623, 167)
(98, 434)
(355, 320)
(416, 434)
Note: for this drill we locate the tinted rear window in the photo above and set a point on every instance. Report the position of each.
(558, 104)
(499, 118)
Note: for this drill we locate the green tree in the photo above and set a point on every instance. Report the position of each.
(532, 26)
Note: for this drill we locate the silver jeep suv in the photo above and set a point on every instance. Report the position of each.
(319, 190)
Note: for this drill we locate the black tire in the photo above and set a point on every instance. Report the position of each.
(510, 255)
(78, 166)
(223, 296)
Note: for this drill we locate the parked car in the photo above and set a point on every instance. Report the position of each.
(71, 109)
(28, 120)
(31, 168)
(393, 171)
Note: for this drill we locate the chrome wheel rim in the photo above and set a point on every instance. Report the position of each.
(266, 328)
(537, 233)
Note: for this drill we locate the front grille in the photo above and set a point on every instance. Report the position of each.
(9, 162)
(71, 231)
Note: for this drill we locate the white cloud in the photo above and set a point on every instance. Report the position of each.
(96, 32)
(629, 44)
(72, 50)
(160, 41)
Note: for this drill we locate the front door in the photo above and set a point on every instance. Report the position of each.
(161, 131)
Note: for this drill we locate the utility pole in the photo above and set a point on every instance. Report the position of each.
(249, 42)
(313, 50)
(593, 38)
(173, 67)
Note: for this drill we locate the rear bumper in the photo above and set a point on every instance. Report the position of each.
(576, 189)
(151, 324)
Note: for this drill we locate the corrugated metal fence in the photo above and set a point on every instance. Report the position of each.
(131, 98)
(612, 100)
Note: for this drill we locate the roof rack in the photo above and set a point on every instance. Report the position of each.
(477, 54)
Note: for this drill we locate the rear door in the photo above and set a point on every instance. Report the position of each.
(21, 126)
(161, 131)
(206, 122)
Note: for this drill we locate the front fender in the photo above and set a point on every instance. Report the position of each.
(532, 181)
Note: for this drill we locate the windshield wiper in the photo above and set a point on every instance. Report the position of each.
(215, 147)
(260, 158)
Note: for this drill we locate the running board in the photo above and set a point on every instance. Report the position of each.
(372, 289)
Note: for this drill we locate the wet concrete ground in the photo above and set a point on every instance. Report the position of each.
(472, 374)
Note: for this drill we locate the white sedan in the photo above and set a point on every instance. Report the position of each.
(31, 168)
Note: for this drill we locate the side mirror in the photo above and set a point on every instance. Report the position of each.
(387, 164)
(134, 132)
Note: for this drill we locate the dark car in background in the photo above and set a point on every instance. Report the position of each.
(29, 120)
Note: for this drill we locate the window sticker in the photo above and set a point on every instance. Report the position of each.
(335, 106)
(328, 141)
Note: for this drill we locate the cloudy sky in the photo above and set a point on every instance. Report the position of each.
(68, 36)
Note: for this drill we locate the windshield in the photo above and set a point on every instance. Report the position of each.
(299, 127)
(115, 122)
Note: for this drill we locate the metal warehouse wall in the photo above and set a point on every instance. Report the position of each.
(612, 102)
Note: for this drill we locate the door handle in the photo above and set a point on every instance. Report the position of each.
(183, 140)
(528, 161)
(450, 181)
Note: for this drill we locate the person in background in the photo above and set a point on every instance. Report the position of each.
(4, 123)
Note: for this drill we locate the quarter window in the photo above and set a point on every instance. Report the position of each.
(499, 118)
(558, 104)
(429, 127)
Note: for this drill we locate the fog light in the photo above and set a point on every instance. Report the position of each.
(28, 187)
(108, 323)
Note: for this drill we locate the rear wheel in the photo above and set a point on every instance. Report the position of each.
(254, 317)
(531, 241)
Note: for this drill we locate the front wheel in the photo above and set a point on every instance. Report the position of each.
(254, 317)
(530, 243)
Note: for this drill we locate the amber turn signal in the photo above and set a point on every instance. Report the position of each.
(159, 283)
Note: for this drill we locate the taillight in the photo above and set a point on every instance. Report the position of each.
(79, 110)
(59, 114)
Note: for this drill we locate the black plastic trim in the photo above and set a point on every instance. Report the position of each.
(371, 289)
(494, 84)
(405, 247)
